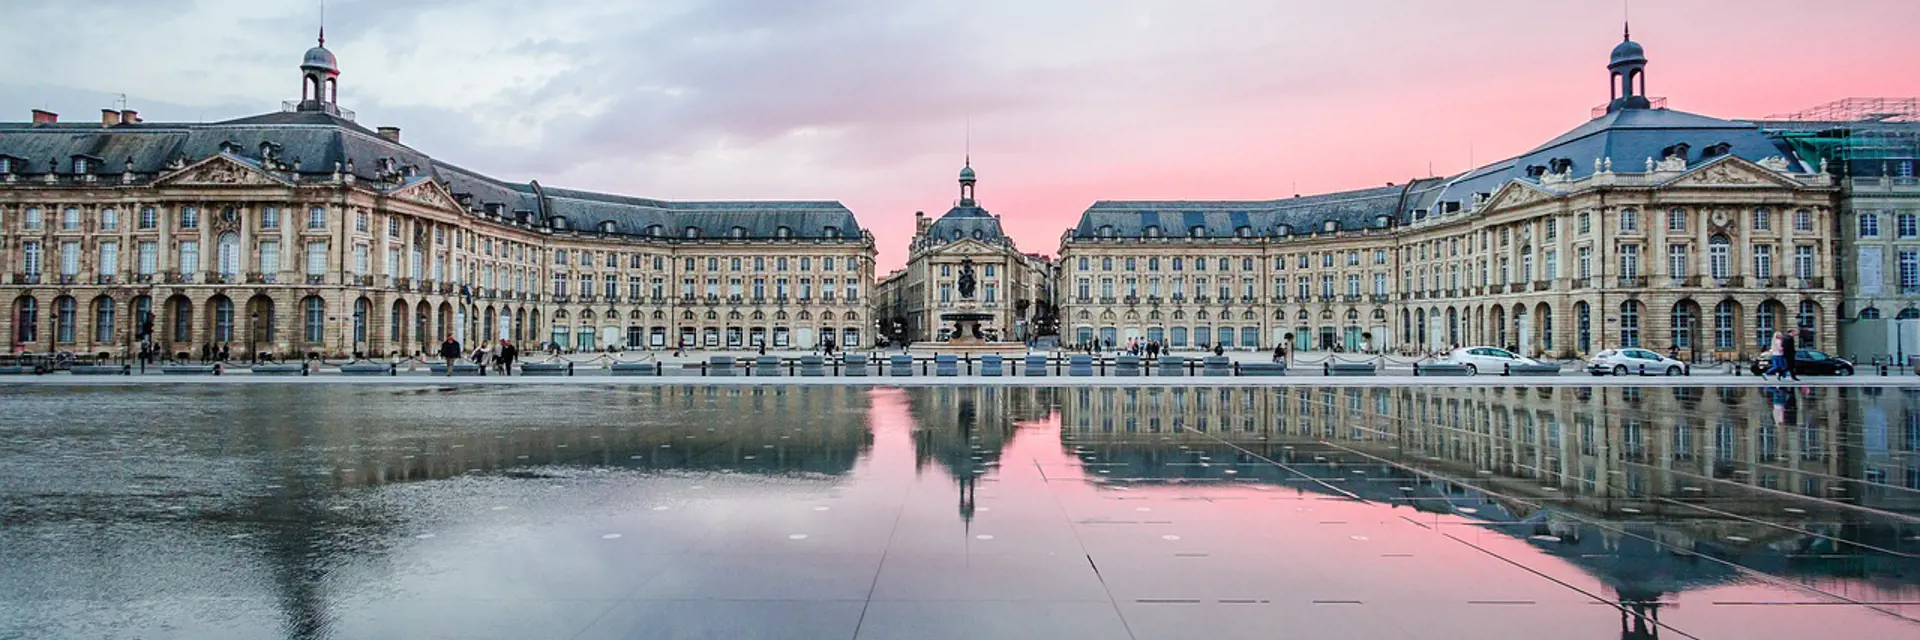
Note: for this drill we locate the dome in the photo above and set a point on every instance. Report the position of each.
(319, 58)
(1627, 51)
(966, 173)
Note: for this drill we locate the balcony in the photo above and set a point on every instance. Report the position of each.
(586, 298)
(562, 297)
(1581, 283)
(1631, 282)
(1380, 298)
(1153, 300)
(1201, 299)
(1132, 300)
(316, 278)
(1774, 282)
(1730, 281)
(1107, 300)
(104, 278)
(1249, 299)
(403, 284)
(215, 277)
(1326, 297)
(172, 277)
(1806, 283)
(256, 277)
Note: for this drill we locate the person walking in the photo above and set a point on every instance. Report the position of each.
(1776, 362)
(450, 352)
(1279, 353)
(1788, 344)
(508, 353)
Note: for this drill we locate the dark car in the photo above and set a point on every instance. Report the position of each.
(1811, 363)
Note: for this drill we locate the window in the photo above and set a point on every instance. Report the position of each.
(31, 219)
(1762, 220)
(315, 313)
(1629, 261)
(70, 218)
(1763, 261)
(103, 320)
(63, 320)
(227, 253)
(1909, 225)
(316, 258)
(1723, 325)
(189, 256)
(1553, 228)
(149, 257)
(109, 219)
(1584, 263)
(362, 263)
(270, 219)
(1677, 261)
(1717, 258)
(1803, 221)
(1677, 219)
(149, 218)
(109, 258)
(1629, 220)
(1630, 323)
(1683, 322)
(69, 258)
(1551, 265)
(316, 218)
(189, 217)
(1583, 223)
(1909, 271)
(1803, 262)
(1868, 225)
(1379, 284)
(362, 222)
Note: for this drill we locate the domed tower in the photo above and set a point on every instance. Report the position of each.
(1629, 68)
(320, 79)
(966, 183)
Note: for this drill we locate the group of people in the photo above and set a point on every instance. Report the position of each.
(1780, 356)
(499, 356)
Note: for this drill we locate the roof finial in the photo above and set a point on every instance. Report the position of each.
(969, 143)
(1626, 20)
(323, 24)
(1626, 32)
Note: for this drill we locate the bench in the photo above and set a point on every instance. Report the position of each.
(1171, 366)
(1445, 369)
(635, 369)
(1080, 365)
(543, 369)
(101, 370)
(1126, 366)
(465, 369)
(368, 369)
(280, 369)
(1349, 368)
(15, 370)
(1268, 369)
(190, 369)
(812, 366)
(721, 366)
(765, 366)
(855, 364)
(1216, 366)
(946, 365)
(992, 365)
(1035, 365)
(1527, 370)
(900, 364)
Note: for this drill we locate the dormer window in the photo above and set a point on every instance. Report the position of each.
(1106, 231)
(956, 234)
(692, 232)
(1152, 231)
(1197, 231)
(6, 165)
(737, 232)
(557, 222)
(832, 232)
(606, 226)
(1331, 226)
(79, 165)
(977, 235)
(1243, 232)
(783, 232)
(654, 230)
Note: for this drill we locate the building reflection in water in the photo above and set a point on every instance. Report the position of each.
(1653, 491)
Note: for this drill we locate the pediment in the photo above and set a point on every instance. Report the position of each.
(1730, 171)
(427, 192)
(220, 171)
(966, 247)
(1517, 193)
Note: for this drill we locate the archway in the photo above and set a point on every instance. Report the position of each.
(262, 328)
(220, 320)
(179, 311)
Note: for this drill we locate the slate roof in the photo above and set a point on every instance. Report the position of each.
(966, 222)
(1359, 209)
(320, 141)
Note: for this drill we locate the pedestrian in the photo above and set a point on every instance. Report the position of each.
(450, 353)
(1776, 361)
(508, 353)
(226, 352)
(1788, 350)
(1278, 353)
(1218, 350)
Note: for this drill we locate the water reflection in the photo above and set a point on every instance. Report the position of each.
(268, 502)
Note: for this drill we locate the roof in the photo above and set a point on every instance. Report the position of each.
(1358, 209)
(966, 221)
(312, 145)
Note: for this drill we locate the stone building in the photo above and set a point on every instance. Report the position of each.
(1642, 227)
(301, 231)
(1012, 286)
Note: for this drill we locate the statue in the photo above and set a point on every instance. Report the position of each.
(966, 278)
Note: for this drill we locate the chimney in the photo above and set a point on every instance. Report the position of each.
(390, 134)
(42, 116)
(109, 117)
(129, 116)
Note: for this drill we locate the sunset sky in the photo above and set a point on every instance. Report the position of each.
(868, 102)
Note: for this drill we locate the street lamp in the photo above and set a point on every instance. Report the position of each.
(253, 336)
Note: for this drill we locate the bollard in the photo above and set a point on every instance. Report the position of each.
(1326, 368)
(703, 369)
(1643, 369)
(1236, 369)
(1416, 369)
(569, 369)
(1506, 368)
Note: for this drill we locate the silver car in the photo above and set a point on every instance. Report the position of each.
(1634, 360)
(1488, 359)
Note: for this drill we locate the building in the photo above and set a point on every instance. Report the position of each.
(301, 231)
(1644, 226)
(1871, 145)
(1012, 286)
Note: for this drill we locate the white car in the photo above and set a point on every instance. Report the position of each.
(1634, 360)
(1492, 360)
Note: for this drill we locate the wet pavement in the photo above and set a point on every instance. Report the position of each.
(416, 510)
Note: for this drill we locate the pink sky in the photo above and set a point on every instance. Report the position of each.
(1071, 101)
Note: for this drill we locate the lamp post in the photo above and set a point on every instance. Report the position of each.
(253, 336)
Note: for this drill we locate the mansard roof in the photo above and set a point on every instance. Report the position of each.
(1347, 210)
(312, 145)
(967, 221)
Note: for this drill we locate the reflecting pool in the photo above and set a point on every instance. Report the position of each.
(427, 511)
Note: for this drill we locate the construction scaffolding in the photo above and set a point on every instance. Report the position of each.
(1866, 137)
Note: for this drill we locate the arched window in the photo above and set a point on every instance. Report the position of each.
(64, 312)
(783, 232)
(228, 254)
(692, 232)
(222, 319)
(1719, 260)
(1723, 327)
(1197, 231)
(1630, 323)
(103, 312)
(1106, 231)
(1869, 313)
(655, 230)
(362, 308)
(1764, 324)
(1685, 317)
(1243, 231)
(314, 316)
(1583, 327)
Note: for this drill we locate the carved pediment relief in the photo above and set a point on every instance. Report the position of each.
(219, 170)
(1729, 171)
(1516, 194)
(429, 193)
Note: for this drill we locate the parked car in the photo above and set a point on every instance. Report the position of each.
(1488, 359)
(1809, 362)
(1633, 360)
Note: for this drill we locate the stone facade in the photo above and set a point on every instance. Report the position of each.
(384, 251)
(1013, 287)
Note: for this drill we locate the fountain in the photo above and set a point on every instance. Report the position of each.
(965, 318)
